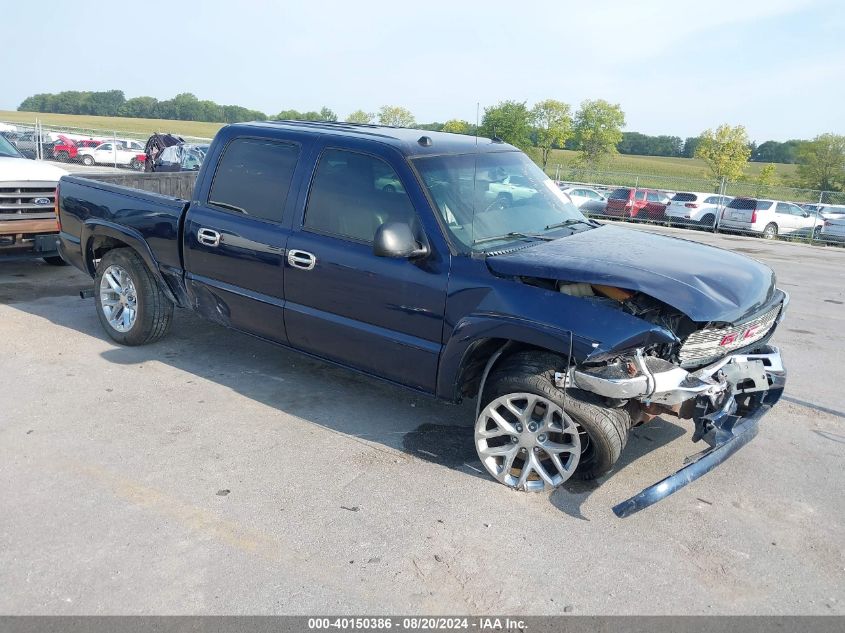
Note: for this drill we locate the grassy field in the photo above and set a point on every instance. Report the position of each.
(140, 127)
(647, 171)
(662, 166)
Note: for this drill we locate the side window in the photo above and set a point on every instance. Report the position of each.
(106, 147)
(712, 200)
(253, 178)
(170, 155)
(640, 195)
(796, 210)
(653, 197)
(353, 194)
(782, 208)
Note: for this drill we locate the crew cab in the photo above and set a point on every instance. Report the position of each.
(28, 226)
(564, 331)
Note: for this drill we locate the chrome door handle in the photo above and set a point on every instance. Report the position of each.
(301, 259)
(208, 237)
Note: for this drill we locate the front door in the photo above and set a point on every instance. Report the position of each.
(378, 314)
(235, 241)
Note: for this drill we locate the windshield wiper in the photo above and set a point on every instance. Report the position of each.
(569, 222)
(513, 235)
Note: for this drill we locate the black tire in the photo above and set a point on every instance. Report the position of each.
(63, 156)
(603, 430)
(54, 260)
(88, 160)
(708, 221)
(771, 231)
(154, 309)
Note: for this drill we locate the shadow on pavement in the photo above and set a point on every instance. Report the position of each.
(334, 398)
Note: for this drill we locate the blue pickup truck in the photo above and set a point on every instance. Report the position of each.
(412, 257)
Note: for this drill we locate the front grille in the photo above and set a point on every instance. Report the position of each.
(710, 344)
(26, 200)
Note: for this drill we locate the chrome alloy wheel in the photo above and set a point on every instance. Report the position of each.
(527, 442)
(118, 298)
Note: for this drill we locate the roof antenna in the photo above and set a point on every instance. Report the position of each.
(477, 109)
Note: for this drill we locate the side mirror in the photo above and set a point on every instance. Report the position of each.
(806, 214)
(396, 239)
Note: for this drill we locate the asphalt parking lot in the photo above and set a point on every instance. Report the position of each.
(210, 473)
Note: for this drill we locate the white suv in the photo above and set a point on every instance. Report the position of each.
(769, 217)
(694, 207)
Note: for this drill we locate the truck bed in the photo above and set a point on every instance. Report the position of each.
(152, 217)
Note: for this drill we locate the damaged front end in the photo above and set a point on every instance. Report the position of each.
(725, 399)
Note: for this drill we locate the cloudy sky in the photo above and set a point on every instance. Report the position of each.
(775, 66)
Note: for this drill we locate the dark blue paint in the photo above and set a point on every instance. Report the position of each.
(412, 322)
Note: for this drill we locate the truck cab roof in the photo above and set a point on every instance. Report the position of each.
(409, 141)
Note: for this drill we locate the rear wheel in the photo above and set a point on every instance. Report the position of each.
(771, 231)
(708, 221)
(530, 437)
(131, 307)
(63, 156)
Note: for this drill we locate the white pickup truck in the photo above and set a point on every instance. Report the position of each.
(28, 225)
(113, 153)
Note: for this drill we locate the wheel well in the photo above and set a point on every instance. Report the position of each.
(476, 358)
(99, 246)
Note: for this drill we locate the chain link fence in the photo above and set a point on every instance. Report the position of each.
(772, 211)
(81, 146)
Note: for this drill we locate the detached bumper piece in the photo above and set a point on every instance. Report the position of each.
(756, 382)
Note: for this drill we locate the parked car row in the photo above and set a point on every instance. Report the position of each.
(63, 148)
(765, 217)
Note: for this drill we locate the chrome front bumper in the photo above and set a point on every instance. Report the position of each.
(659, 381)
(745, 386)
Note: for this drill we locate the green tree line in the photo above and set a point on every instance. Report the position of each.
(594, 130)
(182, 107)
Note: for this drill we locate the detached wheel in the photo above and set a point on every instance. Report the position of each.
(771, 231)
(131, 307)
(529, 437)
(55, 260)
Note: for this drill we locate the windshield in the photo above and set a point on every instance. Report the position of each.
(7, 149)
(492, 198)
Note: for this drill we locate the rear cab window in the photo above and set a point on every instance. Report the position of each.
(253, 178)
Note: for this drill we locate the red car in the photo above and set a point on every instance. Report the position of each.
(66, 149)
(638, 204)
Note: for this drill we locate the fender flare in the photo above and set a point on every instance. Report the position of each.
(95, 227)
(474, 329)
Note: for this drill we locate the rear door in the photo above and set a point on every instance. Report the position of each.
(235, 239)
(377, 314)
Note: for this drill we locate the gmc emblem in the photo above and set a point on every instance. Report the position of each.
(733, 337)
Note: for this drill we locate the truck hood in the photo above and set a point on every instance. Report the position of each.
(703, 282)
(17, 169)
